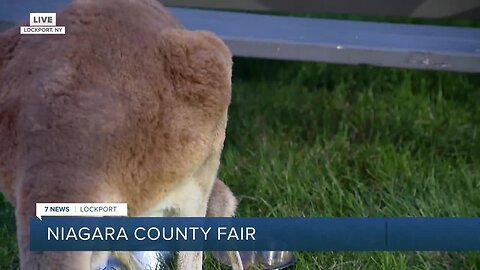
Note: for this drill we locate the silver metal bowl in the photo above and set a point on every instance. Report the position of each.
(155, 260)
(268, 260)
(149, 260)
(158, 260)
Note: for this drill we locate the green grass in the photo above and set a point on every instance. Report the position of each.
(8, 241)
(330, 140)
(309, 139)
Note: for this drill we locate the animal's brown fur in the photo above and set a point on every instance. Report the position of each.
(222, 202)
(126, 107)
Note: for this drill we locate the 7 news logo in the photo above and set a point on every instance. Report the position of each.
(43, 24)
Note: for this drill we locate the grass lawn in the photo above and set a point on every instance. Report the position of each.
(308, 139)
(330, 140)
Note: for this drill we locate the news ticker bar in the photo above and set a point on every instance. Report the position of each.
(296, 234)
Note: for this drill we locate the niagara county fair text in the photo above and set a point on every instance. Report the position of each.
(151, 233)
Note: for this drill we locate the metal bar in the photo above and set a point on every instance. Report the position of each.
(467, 9)
(332, 41)
(336, 41)
(15, 11)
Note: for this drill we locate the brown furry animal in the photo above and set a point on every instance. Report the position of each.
(126, 107)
